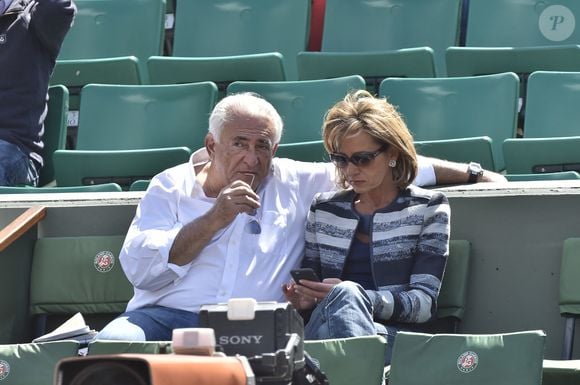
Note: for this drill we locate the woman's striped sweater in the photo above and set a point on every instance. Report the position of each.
(409, 248)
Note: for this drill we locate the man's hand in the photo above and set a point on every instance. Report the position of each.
(237, 197)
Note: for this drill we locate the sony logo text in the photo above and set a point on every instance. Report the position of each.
(239, 340)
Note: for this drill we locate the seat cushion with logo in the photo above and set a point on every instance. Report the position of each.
(33, 364)
(78, 274)
(454, 359)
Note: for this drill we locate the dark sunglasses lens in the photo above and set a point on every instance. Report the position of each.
(361, 159)
(339, 160)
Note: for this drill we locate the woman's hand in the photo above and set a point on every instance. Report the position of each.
(306, 294)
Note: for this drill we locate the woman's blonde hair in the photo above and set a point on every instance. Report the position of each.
(360, 111)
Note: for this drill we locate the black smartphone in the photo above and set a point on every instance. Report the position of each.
(304, 273)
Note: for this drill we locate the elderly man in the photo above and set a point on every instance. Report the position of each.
(230, 223)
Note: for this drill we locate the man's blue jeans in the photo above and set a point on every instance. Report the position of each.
(347, 311)
(155, 323)
(16, 168)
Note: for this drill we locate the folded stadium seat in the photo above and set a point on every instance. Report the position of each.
(139, 185)
(210, 28)
(312, 151)
(401, 38)
(569, 300)
(106, 187)
(561, 372)
(108, 43)
(128, 133)
(90, 281)
(478, 112)
(347, 361)
(551, 134)
(54, 130)
(33, 364)
(221, 70)
(457, 359)
(302, 104)
(543, 38)
(563, 175)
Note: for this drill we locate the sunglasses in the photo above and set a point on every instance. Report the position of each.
(359, 159)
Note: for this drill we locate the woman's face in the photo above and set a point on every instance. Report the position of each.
(372, 174)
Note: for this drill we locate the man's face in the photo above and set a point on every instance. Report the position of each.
(244, 151)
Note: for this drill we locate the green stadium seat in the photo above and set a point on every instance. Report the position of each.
(33, 364)
(475, 359)
(312, 151)
(221, 70)
(90, 281)
(205, 28)
(388, 29)
(140, 185)
(54, 131)
(437, 109)
(551, 133)
(107, 187)
(348, 361)
(98, 347)
(118, 123)
(302, 104)
(561, 372)
(459, 150)
(569, 299)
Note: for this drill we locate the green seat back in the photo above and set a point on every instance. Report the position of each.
(90, 277)
(453, 108)
(458, 359)
(372, 66)
(552, 105)
(390, 25)
(302, 104)
(33, 364)
(461, 150)
(312, 151)
(569, 272)
(106, 187)
(140, 185)
(543, 38)
(122, 117)
(54, 130)
(122, 167)
(453, 294)
(348, 361)
(221, 70)
(111, 28)
(561, 372)
(541, 155)
(121, 347)
(222, 28)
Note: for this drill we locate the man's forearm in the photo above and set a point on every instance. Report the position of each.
(191, 239)
(448, 173)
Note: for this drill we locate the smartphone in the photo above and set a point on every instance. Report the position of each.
(304, 273)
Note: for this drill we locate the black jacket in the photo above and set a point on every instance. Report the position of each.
(31, 33)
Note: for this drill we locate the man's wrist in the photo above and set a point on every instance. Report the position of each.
(474, 172)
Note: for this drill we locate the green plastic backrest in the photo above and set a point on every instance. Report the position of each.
(348, 361)
(302, 104)
(54, 130)
(569, 273)
(140, 185)
(124, 117)
(90, 277)
(561, 372)
(123, 167)
(453, 295)
(225, 28)
(552, 104)
(463, 150)
(475, 359)
(462, 107)
(33, 364)
(110, 28)
(76, 73)
(312, 151)
(541, 155)
(107, 187)
(564, 175)
(491, 23)
(121, 347)
(391, 24)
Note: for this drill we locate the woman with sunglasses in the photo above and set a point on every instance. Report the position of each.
(380, 244)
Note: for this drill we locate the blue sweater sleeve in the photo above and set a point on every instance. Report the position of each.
(50, 21)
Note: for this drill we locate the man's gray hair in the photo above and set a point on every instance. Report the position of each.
(246, 103)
